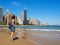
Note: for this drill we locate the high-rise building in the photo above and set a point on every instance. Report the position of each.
(25, 14)
(24, 17)
(34, 21)
(1, 14)
(20, 21)
(16, 19)
(7, 16)
(4, 19)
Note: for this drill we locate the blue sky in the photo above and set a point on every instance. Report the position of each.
(47, 11)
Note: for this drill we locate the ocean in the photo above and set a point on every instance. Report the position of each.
(41, 28)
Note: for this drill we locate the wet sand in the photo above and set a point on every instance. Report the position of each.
(30, 37)
(45, 37)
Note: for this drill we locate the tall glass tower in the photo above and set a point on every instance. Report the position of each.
(24, 17)
(25, 14)
(25, 21)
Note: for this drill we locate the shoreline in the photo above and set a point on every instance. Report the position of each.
(33, 25)
(33, 29)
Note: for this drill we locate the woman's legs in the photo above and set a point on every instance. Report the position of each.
(12, 34)
(9, 32)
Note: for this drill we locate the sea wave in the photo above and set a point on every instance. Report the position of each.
(44, 29)
(35, 29)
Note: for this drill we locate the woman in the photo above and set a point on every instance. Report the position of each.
(12, 27)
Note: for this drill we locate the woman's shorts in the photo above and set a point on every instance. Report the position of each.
(12, 28)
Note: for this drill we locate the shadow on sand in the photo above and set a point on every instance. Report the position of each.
(16, 38)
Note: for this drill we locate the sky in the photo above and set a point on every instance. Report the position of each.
(46, 11)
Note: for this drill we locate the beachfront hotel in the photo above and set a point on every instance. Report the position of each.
(34, 21)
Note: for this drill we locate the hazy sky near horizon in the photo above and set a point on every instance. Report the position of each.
(47, 11)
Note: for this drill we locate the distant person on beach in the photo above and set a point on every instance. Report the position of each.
(12, 27)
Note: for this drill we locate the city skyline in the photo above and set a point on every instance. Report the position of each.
(47, 11)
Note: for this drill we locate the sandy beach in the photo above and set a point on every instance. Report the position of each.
(5, 39)
(30, 37)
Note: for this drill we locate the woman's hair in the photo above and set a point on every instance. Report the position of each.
(13, 17)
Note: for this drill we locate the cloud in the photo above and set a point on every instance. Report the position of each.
(15, 3)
